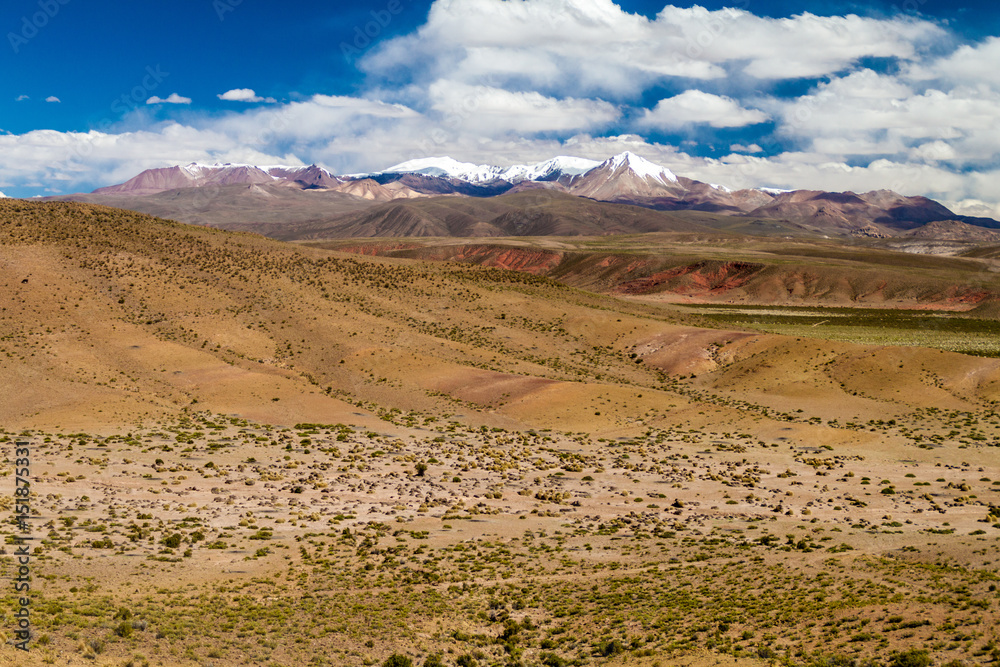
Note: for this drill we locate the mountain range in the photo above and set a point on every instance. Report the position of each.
(568, 196)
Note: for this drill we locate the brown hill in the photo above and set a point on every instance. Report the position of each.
(251, 207)
(194, 175)
(954, 230)
(724, 269)
(527, 213)
(112, 316)
(886, 211)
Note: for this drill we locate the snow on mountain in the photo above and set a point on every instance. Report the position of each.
(549, 169)
(446, 167)
(553, 169)
(3, 196)
(627, 175)
(640, 166)
(620, 176)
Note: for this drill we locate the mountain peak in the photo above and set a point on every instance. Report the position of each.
(433, 166)
(641, 167)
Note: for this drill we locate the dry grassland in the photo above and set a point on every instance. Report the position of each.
(251, 453)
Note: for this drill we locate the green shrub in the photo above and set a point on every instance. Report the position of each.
(911, 658)
(610, 648)
(397, 660)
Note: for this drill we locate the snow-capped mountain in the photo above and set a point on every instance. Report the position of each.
(446, 167)
(3, 196)
(628, 175)
(626, 178)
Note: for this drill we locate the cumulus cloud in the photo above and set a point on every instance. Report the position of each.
(587, 47)
(496, 111)
(173, 98)
(21, 98)
(244, 95)
(515, 81)
(741, 148)
(52, 98)
(697, 107)
(969, 64)
(345, 133)
(866, 113)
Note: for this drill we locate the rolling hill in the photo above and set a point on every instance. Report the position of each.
(294, 432)
(148, 315)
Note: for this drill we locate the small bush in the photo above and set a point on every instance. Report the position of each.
(911, 658)
(397, 660)
(610, 648)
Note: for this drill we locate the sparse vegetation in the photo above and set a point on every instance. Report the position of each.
(447, 495)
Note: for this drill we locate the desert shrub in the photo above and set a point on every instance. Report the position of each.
(610, 648)
(552, 660)
(397, 660)
(911, 658)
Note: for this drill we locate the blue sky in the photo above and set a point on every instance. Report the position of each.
(835, 95)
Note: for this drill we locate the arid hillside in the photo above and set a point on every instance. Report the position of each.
(247, 451)
(729, 268)
(135, 316)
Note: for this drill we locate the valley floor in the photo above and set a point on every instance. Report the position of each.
(327, 544)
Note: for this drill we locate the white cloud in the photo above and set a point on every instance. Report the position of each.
(52, 98)
(866, 113)
(21, 98)
(975, 207)
(173, 98)
(244, 95)
(740, 148)
(350, 134)
(513, 81)
(969, 64)
(592, 47)
(933, 151)
(697, 107)
(493, 111)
